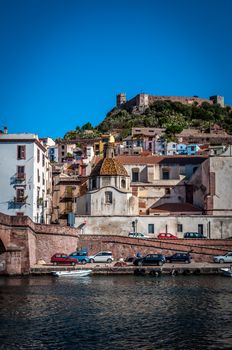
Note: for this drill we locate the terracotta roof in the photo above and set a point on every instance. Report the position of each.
(138, 159)
(175, 207)
(109, 167)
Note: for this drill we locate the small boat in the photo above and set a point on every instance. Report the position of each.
(76, 273)
(227, 271)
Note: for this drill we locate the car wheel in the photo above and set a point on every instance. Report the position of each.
(140, 263)
(91, 261)
(109, 261)
(160, 263)
(189, 261)
(84, 262)
(73, 263)
(55, 263)
(221, 261)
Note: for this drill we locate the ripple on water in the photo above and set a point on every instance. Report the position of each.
(124, 312)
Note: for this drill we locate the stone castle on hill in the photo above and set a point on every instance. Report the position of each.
(142, 101)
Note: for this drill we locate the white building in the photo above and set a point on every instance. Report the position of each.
(109, 190)
(26, 181)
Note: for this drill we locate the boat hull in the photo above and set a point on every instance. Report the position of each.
(80, 273)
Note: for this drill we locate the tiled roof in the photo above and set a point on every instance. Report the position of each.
(140, 160)
(109, 167)
(176, 207)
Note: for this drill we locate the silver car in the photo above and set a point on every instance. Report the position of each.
(104, 257)
(223, 258)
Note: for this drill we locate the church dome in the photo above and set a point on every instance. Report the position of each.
(108, 167)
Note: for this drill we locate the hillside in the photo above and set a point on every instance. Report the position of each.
(173, 116)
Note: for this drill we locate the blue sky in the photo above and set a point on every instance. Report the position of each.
(63, 61)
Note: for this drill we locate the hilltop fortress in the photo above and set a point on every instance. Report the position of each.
(142, 101)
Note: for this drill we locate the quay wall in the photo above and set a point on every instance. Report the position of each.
(23, 243)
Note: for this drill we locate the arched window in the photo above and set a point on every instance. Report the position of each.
(123, 183)
(108, 197)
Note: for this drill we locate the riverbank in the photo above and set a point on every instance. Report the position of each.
(130, 269)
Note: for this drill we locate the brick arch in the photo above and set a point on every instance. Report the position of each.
(2, 247)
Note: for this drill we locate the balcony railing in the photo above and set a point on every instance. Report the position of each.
(20, 199)
(20, 176)
(66, 197)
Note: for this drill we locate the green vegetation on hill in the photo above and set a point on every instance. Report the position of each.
(173, 116)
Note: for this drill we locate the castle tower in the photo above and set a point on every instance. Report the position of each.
(120, 99)
(217, 100)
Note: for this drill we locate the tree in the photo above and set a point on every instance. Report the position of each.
(87, 126)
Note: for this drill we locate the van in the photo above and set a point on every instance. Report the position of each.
(194, 235)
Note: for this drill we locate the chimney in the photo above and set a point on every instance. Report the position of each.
(5, 130)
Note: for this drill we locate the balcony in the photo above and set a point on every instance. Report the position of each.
(20, 200)
(66, 197)
(20, 176)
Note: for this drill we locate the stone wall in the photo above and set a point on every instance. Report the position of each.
(24, 242)
(215, 227)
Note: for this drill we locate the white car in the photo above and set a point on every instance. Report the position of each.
(137, 235)
(104, 257)
(223, 258)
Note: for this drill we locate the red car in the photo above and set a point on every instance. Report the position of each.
(63, 259)
(166, 235)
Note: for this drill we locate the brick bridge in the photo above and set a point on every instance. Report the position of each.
(23, 243)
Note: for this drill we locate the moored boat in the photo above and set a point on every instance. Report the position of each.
(227, 271)
(76, 273)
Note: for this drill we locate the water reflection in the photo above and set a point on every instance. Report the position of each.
(124, 312)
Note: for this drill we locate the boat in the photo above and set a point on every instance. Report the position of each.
(76, 273)
(227, 271)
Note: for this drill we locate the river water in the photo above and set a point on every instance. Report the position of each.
(119, 312)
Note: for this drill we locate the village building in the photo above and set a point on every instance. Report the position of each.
(109, 189)
(26, 177)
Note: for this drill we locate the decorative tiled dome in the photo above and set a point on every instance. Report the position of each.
(109, 167)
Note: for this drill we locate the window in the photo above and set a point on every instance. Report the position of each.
(38, 177)
(21, 172)
(135, 175)
(123, 183)
(151, 228)
(21, 152)
(179, 228)
(20, 194)
(108, 197)
(165, 174)
(167, 191)
(43, 160)
(38, 155)
(62, 146)
(200, 228)
(94, 183)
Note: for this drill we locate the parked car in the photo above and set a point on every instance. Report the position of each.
(105, 257)
(194, 235)
(137, 235)
(150, 259)
(180, 257)
(223, 258)
(166, 235)
(61, 258)
(81, 256)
